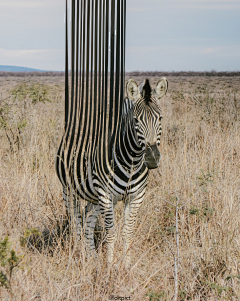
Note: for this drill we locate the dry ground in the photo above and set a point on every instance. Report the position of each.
(200, 168)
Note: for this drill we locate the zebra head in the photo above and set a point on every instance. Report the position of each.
(146, 117)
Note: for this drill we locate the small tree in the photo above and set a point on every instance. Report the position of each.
(9, 260)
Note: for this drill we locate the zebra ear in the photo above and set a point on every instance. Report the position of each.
(161, 88)
(132, 90)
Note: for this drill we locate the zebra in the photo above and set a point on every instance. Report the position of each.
(125, 176)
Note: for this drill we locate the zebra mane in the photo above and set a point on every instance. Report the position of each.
(146, 91)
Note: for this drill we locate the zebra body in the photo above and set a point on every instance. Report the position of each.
(103, 178)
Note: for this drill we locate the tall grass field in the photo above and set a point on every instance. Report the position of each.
(187, 230)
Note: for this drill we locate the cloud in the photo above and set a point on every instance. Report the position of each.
(134, 5)
(229, 50)
(153, 5)
(225, 57)
(12, 4)
(44, 59)
(29, 4)
(22, 53)
(211, 50)
(222, 51)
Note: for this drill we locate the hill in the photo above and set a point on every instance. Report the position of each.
(18, 69)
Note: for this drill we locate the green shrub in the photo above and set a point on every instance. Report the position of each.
(9, 260)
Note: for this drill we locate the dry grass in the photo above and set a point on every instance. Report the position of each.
(200, 166)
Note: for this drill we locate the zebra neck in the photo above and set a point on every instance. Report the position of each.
(127, 151)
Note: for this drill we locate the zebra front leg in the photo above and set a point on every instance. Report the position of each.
(91, 214)
(73, 210)
(131, 210)
(107, 211)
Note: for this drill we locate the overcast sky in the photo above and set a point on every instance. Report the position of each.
(161, 35)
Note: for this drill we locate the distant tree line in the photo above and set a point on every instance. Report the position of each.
(183, 73)
(133, 74)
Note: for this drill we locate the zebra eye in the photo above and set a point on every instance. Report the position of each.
(135, 120)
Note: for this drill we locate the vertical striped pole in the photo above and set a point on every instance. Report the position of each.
(95, 90)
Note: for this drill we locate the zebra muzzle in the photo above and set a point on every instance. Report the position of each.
(152, 156)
